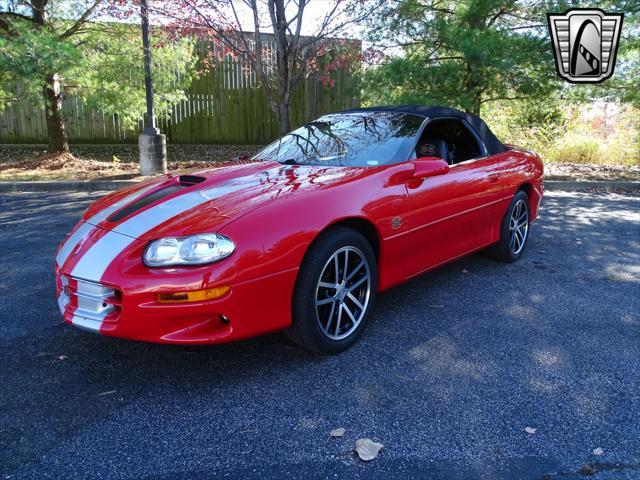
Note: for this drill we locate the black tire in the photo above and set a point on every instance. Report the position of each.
(503, 250)
(306, 330)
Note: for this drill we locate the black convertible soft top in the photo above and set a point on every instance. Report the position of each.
(484, 132)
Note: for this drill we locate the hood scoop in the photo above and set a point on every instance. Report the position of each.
(143, 202)
(189, 180)
(180, 183)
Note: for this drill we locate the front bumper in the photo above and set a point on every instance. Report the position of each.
(130, 309)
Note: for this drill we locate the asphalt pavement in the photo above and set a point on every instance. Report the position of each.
(453, 368)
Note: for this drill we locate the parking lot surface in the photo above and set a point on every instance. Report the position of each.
(453, 368)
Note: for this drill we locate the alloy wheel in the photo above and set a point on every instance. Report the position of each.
(518, 227)
(342, 293)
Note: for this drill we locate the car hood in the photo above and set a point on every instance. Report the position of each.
(206, 200)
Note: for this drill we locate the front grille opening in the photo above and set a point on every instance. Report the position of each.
(94, 301)
(115, 299)
(188, 180)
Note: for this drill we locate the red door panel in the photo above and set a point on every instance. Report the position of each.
(454, 213)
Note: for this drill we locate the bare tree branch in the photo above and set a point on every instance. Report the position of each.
(296, 55)
(84, 18)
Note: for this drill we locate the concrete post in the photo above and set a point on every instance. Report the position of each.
(153, 145)
(153, 153)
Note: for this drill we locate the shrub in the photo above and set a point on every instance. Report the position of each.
(562, 133)
(575, 148)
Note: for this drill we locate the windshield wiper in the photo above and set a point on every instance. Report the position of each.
(289, 161)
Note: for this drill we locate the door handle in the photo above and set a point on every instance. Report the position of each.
(494, 177)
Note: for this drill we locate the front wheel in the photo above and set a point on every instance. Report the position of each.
(514, 230)
(335, 292)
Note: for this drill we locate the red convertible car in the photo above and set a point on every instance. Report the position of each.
(303, 236)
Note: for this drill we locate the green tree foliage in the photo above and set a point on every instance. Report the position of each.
(53, 48)
(496, 55)
(624, 86)
(463, 54)
(111, 78)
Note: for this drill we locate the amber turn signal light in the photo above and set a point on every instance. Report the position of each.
(195, 296)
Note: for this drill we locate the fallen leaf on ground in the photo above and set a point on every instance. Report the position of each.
(530, 430)
(108, 392)
(598, 451)
(367, 449)
(62, 357)
(338, 432)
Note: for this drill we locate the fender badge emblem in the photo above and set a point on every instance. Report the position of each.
(396, 222)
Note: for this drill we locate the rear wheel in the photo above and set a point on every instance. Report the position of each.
(514, 230)
(335, 292)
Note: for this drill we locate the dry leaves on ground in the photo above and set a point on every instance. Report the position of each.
(587, 171)
(65, 165)
(367, 449)
(109, 162)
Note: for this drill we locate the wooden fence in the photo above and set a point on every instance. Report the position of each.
(223, 106)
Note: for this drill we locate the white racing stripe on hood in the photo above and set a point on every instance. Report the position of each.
(87, 227)
(149, 219)
(71, 242)
(103, 214)
(97, 259)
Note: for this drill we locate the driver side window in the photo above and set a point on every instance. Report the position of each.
(449, 139)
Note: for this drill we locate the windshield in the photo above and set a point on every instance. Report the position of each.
(355, 139)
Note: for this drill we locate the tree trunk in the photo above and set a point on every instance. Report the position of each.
(472, 89)
(475, 106)
(284, 118)
(55, 122)
(277, 10)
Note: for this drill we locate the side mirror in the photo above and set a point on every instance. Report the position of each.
(429, 167)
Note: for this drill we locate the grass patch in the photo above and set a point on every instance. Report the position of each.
(598, 133)
(581, 148)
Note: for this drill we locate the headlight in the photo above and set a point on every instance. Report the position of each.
(193, 250)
